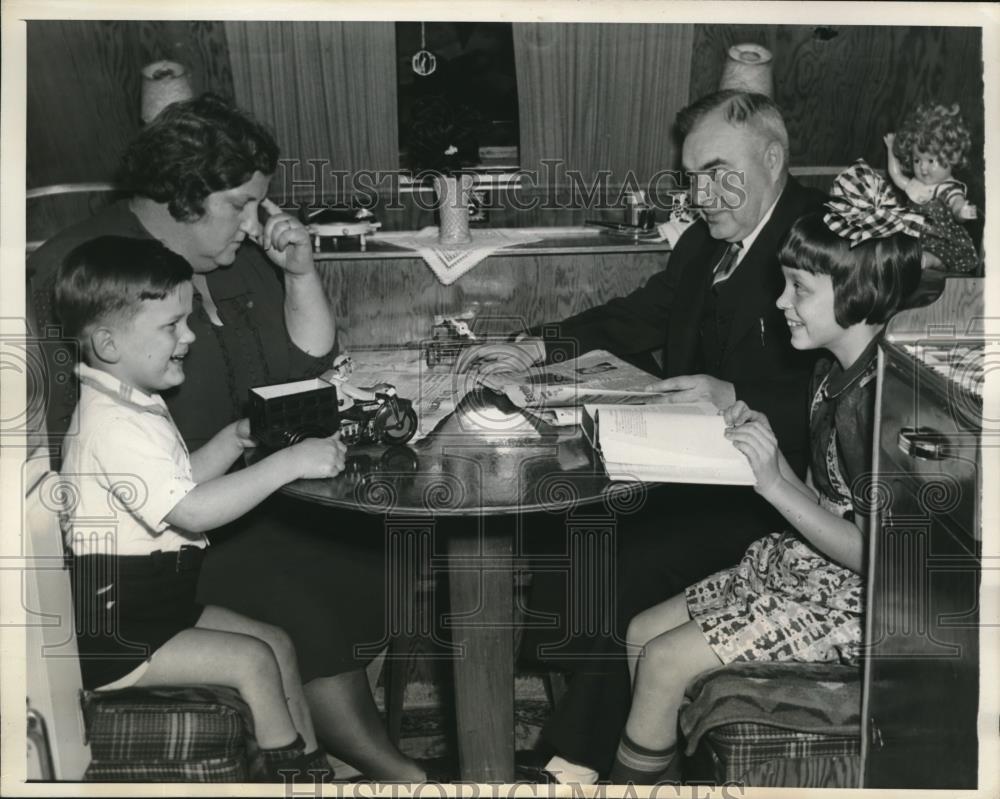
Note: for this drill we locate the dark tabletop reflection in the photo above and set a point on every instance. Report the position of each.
(486, 457)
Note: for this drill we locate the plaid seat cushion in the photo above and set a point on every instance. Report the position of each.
(768, 724)
(746, 744)
(226, 769)
(169, 734)
(836, 771)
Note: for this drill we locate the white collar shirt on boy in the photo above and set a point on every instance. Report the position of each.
(127, 467)
(121, 392)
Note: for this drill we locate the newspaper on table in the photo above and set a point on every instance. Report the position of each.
(556, 393)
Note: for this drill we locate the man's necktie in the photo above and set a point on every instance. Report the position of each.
(727, 263)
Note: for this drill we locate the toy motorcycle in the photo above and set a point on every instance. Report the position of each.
(370, 414)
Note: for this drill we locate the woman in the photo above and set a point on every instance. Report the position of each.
(200, 173)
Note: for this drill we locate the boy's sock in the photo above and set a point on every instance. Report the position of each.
(283, 758)
(641, 766)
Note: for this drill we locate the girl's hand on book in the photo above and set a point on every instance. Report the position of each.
(316, 458)
(755, 439)
(737, 413)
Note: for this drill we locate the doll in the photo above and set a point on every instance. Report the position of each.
(933, 141)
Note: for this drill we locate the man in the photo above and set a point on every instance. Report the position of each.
(713, 313)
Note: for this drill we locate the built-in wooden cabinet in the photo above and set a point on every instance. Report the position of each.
(922, 667)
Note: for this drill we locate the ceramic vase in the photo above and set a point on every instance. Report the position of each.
(163, 83)
(454, 194)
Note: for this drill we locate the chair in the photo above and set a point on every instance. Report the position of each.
(162, 734)
(775, 725)
(53, 208)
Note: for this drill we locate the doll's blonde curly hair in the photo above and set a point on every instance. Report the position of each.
(937, 130)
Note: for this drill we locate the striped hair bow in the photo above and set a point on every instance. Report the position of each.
(863, 206)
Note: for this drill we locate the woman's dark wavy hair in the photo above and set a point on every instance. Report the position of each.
(110, 276)
(194, 148)
(870, 280)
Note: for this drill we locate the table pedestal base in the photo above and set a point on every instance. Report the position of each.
(482, 604)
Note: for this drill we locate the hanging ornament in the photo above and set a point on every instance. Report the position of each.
(424, 63)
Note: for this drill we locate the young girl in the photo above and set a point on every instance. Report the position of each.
(935, 140)
(139, 503)
(796, 595)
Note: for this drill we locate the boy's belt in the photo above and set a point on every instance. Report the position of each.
(187, 558)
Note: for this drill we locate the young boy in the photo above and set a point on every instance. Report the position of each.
(139, 504)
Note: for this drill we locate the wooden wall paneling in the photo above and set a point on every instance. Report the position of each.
(394, 301)
(83, 100)
(80, 108)
(84, 87)
(842, 88)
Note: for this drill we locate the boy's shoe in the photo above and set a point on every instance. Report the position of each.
(315, 768)
(529, 766)
(440, 770)
(291, 764)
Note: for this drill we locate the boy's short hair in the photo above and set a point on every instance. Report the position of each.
(110, 276)
(870, 280)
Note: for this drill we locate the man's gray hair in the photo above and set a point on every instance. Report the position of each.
(739, 108)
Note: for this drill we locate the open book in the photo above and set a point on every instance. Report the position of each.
(665, 444)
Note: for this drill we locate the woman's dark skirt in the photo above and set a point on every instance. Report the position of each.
(318, 573)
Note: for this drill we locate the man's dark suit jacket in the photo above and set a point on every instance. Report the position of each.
(758, 359)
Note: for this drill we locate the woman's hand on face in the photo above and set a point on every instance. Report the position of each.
(286, 240)
(316, 458)
(755, 439)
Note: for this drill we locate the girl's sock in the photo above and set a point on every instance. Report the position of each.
(641, 766)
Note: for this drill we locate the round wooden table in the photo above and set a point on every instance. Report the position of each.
(489, 465)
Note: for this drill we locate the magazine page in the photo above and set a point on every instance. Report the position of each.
(595, 377)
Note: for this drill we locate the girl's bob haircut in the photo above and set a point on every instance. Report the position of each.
(870, 280)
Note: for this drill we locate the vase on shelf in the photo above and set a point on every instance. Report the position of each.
(454, 193)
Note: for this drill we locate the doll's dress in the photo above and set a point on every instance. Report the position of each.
(944, 235)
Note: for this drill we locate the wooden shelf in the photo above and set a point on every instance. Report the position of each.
(562, 242)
